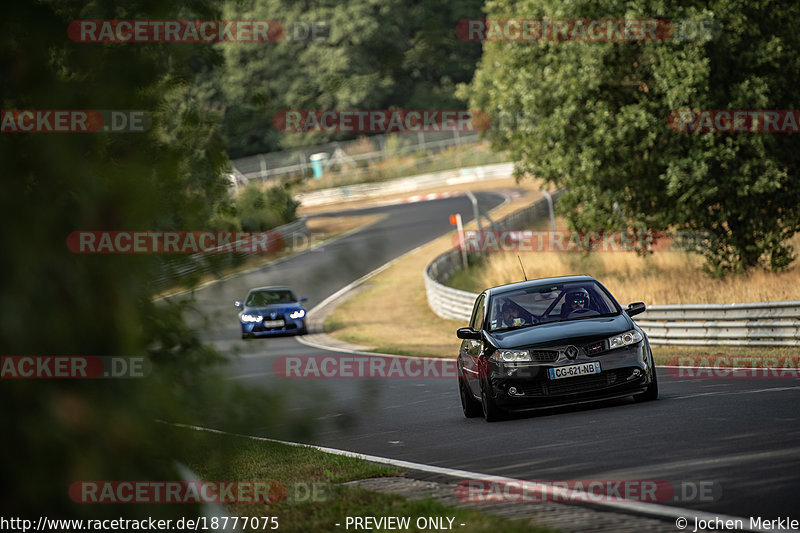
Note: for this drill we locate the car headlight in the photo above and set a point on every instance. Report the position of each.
(511, 356)
(624, 339)
(251, 318)
(300, 313)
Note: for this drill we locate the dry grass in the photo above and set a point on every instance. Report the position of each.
(393, 304)
(657, 279)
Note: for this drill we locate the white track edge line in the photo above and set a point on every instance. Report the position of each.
(641, 508)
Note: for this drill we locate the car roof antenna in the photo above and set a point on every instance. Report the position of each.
(522, 267)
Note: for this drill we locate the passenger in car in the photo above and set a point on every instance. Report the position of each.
(511, 315)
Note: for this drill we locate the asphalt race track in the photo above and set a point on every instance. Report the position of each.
(739, 435)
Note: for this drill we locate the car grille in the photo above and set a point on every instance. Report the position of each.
(595, 348)
(576, 384)
(544, 356)
(279, 316)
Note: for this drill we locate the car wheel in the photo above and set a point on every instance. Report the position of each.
(245, 336)
(491, 413)
(303, 331)
(651, 393)
(469, 405)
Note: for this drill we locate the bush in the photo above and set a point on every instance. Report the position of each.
(259, 210)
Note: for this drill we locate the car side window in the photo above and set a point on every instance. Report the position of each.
(477, 313)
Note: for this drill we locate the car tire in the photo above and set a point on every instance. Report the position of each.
(491, 413)
(469, 405)
(651, 393)
(245, 336)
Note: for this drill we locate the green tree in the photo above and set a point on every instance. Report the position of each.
(592, 117)
(54, 302)
(374, 54)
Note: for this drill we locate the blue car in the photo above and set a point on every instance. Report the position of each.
(271, 311)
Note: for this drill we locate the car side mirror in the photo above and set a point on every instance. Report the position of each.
(635, 308)
(237, 304)
(303, 299)
(468, 333)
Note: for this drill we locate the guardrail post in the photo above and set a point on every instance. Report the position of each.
(549, 199)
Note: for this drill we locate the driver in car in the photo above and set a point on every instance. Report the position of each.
(574, 302)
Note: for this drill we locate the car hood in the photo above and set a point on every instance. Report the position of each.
(274, 308)
(571, 331)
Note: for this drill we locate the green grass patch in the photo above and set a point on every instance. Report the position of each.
(316, 500)
(332, 324)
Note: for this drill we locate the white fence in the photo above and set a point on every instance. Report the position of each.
(278, 165)
(739, 324)
(405, 185)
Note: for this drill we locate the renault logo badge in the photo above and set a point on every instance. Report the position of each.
(571, 352)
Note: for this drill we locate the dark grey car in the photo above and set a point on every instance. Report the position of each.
(551, 341)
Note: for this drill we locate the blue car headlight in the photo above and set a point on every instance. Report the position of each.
(250, 318)
(624, 339)
(300, 313)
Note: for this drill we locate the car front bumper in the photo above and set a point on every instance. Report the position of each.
(257, 329)
(623, 372)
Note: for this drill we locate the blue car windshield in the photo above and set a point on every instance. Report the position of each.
(540, 305)
(262, 298)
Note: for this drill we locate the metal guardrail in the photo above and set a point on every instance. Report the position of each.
(175, 269)
(740, 324)
(451, 303)
(737, 324)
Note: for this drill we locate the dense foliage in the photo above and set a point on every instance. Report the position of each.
(375, 54)
(592, 117)
(54, 302)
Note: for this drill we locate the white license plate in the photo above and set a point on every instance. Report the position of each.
(273, 323)
(574, 370)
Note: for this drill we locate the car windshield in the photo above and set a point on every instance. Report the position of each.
(549, 303)
(269, 297)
